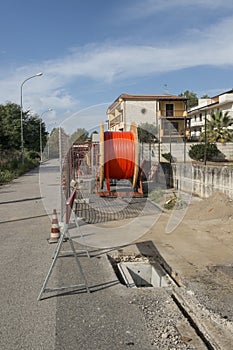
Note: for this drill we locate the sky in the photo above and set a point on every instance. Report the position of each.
(90, 52)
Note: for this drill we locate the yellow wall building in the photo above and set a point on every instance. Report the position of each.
(167, 112)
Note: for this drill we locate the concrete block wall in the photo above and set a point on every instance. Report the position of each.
(178, 150)
(151, 152)
(203, 180)
(226, 149)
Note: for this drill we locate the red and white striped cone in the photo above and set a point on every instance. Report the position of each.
(55, 230)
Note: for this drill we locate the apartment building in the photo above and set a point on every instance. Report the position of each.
(204, 110)
(167, 112)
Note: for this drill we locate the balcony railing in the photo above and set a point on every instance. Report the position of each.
(115, 121)
(175, 113)
(197, 122)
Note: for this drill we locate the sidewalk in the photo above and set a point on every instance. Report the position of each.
(24, 257)
(111, 316)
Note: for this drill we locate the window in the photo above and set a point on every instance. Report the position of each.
(169, 110)
(200, 116)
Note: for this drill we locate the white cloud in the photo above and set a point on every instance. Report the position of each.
(39, 93)
(87, 118)
(142, 9)
(113, 62)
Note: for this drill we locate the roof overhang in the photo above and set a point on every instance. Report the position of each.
(165, 97)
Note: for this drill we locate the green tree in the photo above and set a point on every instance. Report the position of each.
(80, 135)
(218, 128)
(192, 98)
(31, 129)
(147, 133)
(32, 132)
(53, 143)
(10, 127)
(205, 96)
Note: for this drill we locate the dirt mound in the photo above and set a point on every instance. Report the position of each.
(217, 206)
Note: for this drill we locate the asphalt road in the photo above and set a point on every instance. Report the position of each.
(103, 319)
(111, 316)
(24, 258)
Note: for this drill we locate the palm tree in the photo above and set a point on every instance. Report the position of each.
(218, 128)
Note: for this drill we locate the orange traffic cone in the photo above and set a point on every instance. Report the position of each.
(55, 231)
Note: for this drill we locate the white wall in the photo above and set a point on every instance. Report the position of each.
(178, 149)
(140, 112)
(203, 180)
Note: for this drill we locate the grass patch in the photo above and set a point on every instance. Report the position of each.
(11, 165)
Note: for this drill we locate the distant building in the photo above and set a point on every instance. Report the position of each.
(167, 112)
(205, 108)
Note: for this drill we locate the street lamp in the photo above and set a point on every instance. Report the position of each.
(205, 149)
(159, 131)
(185, 113)
(41, 145)
(21, 105)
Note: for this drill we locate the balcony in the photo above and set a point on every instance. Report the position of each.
(115, 121)
(226, 98)
(171, 114)
(197, 122)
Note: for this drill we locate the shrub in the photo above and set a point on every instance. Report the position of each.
(6, 176)
(197, 152)
(168, 157)
(11, 165)
(33, 155)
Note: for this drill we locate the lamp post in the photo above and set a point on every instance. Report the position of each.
(170, 142)
(21, 106)
(185, 131)
(41, 144)
(159, 131)
(205, 133)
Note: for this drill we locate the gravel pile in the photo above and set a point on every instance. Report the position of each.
(167, 327)
(208, 289)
